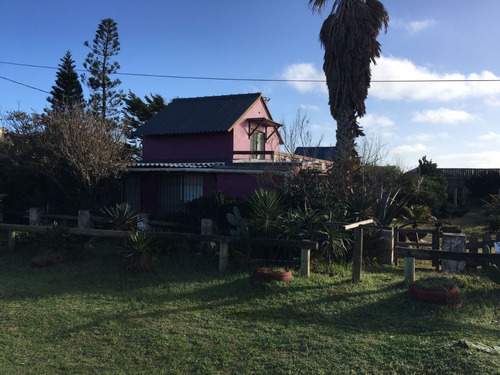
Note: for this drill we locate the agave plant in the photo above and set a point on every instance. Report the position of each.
(122, 217)
(140, 253)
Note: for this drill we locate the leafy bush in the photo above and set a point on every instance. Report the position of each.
(314, 226)
(491, 210)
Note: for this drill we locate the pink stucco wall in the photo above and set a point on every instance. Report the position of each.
(241, 140)
(188, 146)
(237, 185)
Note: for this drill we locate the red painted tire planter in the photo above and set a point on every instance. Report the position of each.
(448, 297)
(45, 262)
(267, 274)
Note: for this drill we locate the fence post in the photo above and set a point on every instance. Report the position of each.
(453, 242)
(223, 254)
(409, 270)
(305, 262)
(84, 221)
(143, 222)
(388, 255)
(435, 246)
(357, 254)
(11, 240)
(35, 216)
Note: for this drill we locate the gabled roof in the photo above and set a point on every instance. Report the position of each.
(324, 153)
(206, 114)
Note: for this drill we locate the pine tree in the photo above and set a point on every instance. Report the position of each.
(105, 101)
(67, 92)
(137, 112)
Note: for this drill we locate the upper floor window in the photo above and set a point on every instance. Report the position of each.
(257, 143)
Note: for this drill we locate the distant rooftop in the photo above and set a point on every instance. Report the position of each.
(324, 153)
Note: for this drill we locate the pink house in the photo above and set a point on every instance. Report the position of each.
(198, 146)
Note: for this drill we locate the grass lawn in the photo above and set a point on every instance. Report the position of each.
(88, 316)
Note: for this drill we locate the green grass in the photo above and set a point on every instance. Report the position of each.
(88, 316)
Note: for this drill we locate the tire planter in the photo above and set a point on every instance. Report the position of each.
(45, 262)
(449, 297)
(267, 278)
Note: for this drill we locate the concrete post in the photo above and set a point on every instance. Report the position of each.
(223, 256)
(409, 270)
(453, 242)
(84, 220)
(143, 222)
(11, 240)
(305, 262)
(388, 254)
(35, 216)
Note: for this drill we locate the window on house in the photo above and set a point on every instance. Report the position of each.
(257, 143)
(176, 189)
(132, 191)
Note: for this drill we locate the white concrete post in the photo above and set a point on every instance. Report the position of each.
(453, 242)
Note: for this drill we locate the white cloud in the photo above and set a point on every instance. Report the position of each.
(441, 116)
(412, 82)
(312, 107)
(415, 27)
(370, 120)
(403, 149)
(490, 136)
(404, 70)
(483, 159)
(422, 137)
(305, 72)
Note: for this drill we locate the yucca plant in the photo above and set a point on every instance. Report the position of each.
(267, 209)
(121, 216)
(140, 252)
(54, 239)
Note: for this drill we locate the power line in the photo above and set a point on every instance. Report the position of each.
(168, 76)
(24, 84)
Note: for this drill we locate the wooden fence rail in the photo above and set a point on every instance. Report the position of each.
(224, 241)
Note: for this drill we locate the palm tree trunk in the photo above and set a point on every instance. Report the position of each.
(345, 153)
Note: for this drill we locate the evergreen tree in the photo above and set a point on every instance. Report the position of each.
(104, 99)
(137, 112)
(67, 92)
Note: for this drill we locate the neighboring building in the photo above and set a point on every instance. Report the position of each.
(323, 153)
(198, 146)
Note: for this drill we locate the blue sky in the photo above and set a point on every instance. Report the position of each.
(453, 123)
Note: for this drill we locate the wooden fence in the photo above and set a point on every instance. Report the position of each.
(446, 250)
(223, 241)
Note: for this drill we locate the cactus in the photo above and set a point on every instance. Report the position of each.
(236, 220)
(493, 273)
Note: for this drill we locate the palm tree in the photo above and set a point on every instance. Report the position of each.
(349, 37)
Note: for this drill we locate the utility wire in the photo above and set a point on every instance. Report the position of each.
(259, 79)
(23, 84)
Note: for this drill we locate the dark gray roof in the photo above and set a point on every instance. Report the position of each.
(324, 153)
(175, 165)
(199, 115)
